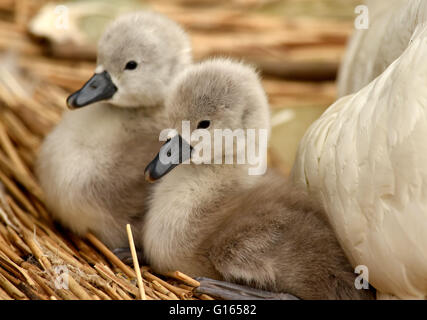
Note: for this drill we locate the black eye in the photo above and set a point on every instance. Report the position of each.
(131, 65)
(204, 124)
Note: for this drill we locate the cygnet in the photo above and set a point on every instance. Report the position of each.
(89, 165)
(216, 221)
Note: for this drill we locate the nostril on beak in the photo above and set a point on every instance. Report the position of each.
(93, 86)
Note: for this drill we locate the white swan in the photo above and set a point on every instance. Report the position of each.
(371, 51)
(366, 160)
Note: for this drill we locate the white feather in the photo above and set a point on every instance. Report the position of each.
(366, 160)
(372, 50)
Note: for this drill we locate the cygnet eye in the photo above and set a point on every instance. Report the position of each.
(204, 124)
(131, 65)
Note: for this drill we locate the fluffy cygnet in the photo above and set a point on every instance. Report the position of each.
(89, 165)
(216, 221)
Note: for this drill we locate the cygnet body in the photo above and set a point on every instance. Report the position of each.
(216, 221)
(89, 165)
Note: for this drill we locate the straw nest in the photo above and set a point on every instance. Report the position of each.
(38, 261)
(34, 253)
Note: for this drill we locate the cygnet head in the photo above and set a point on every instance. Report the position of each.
(216, 94)
(138, 55)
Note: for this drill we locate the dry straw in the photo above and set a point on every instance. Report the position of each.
(135, 263)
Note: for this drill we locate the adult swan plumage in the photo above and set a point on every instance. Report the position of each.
(365, 159)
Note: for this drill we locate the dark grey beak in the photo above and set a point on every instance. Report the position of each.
(172, 153)
(99, 87)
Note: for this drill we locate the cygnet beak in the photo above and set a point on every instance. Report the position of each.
(99, 87)
(175, 151)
